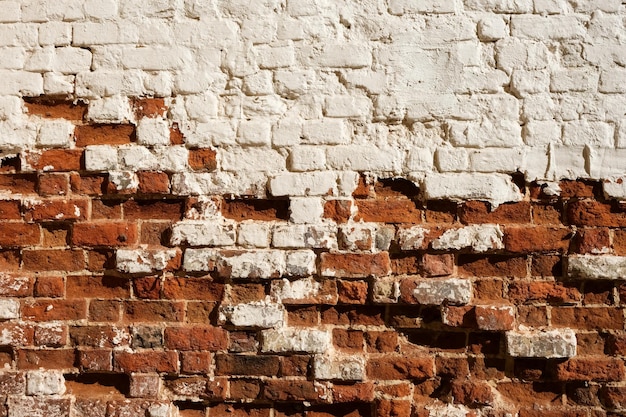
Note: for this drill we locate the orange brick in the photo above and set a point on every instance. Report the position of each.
(47, 310)
(104, 134)
(104, 234)
(53, 260)
(55, 159)
(203, 159)
(153, 182)
(19, 234)
(58, 210)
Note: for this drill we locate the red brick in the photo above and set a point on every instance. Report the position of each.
(153, 210)
(295, 365)
(153, 311)
(595, 241)
(354, 315)
(495, 318)
(99, 336)
(106, 209)
(46, 358)
(546, 266)
(39, 406)
(589, 318)
(477, 212)
(358, 392)
(153, 182)
(532, 393)
(393, 408)
(303, 316)
(203, 159)
(244, 389)
(544, 292)
(352, 292)
(613, 397)
(383, 342)
(616, 344)
(246, 365)
(619, 242)
(56, 109)
(196, 338)
(201, 312)
(104, 310)
(352, 265)
(47, 310)
(532, 316)
(145, 361)
(104, 134)
(53, 260)
(256, 209)
(19, 234)
(95, 286)
(593, 213)
(293, 390)
(591, 369)
(492, 266)
(18, 183)
(10, 210)
(536, 239)
(388, 211)
(578, 189)
(437, 265)
(472, 393)
(489, 290)
(400, 367)
(451, 367)
(239, 410)
(147, 287)
(189, 288)
(459, 316)
(89, 184)
(439, 211)
(195, 362)
(149, 107)
(12, 383)
(105, 234)
(53, 184)
(55, 159)
(348, 340)
(546, 214)
(405, 264)
(51, 335)
(17, 334)
(338, 210)
(57, 210)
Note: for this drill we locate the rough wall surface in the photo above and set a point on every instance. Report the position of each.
(309, 208)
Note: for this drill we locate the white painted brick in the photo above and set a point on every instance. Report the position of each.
(261, 314)
(307, 158)
(124, 181)
(300, 263)
(102, 83)
(347, 106)
(324, 132)
(48, 382)
(452, 159)
(254, 133)
(16, 83)
(172, 158)
(286, 133)
(251, 264)
(419, 159)
(11, 11)
(513, 53)
(18, 35)
(338, 56)
(412, 238)
(9, 309)
(447, 410)
(40, 60)
(620, 134)
(524, 82)
(612, 81)
(143, 261)
(57, 84)
(70, 60)
(306, 209)
(237, 184)
(214, 132)
(364, 158)
(497, 133)
(371, 81)
(494, 188)
(153, 131)
(101, 158)
(399, 7)
(540, 132)
(258, 84)
(102, 33)
(386, 290)
(17, 135)
(336, 367)
(358, 237)
(248, 160)
(553, 27)
(301, 291)
(615, 188)
(204, 233)
(537, 163)
(550, 6)
(109, 110)
(573, 80)
(10, 107)
(596, 267)
(541, 344)
(137, 158)
(581, 133)
(101, 9)
(304, 236)
(253, 234)
(606, 162)
(13, 58)
(305, 184)
(55, 133)
(156, 58)
(292, 84)
(498, 6)
(199, 260)
(291, 339)
(568, 162)
(491, 28)
(438, 291)
(258, 31)
(201, 107)
(303, 8)
(41, 11)
(272, 57)
(480, 238)
(496, 160)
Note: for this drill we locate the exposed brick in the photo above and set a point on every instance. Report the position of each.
(591, 369)
(56, 109)
(256, 209)
(48, 310)
(437, 265)
(10, 210)
(46, 358)
(147, 361)
(18, 183)
(55, 160)
(53, 260)
(153, 182)
(87, 184)
(196, 338)
(492, 266)
(536, 239)
(476, 212)
(595, 241)
(195, 362)
(148, 107)
(282, 390)
(81, 286)
(53, 184)
(388, 211)
(338, 210)
(589, 318)
(104, 234)
(153, 209)
(351, 265)
(203, 159)
(543, 291)
(104, 134)
(577, 189)
(246, 365)
(352, 292)
(594, 213)
(153, 311)
(19, 234)
(402, 367)
(57, 210)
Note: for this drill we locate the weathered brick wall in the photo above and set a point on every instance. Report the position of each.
(312, 208)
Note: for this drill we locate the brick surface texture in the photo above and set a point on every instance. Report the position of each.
(312, 208)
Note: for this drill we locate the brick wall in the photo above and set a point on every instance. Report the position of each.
(384, 208)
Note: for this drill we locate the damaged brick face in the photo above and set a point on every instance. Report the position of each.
(311, 209)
